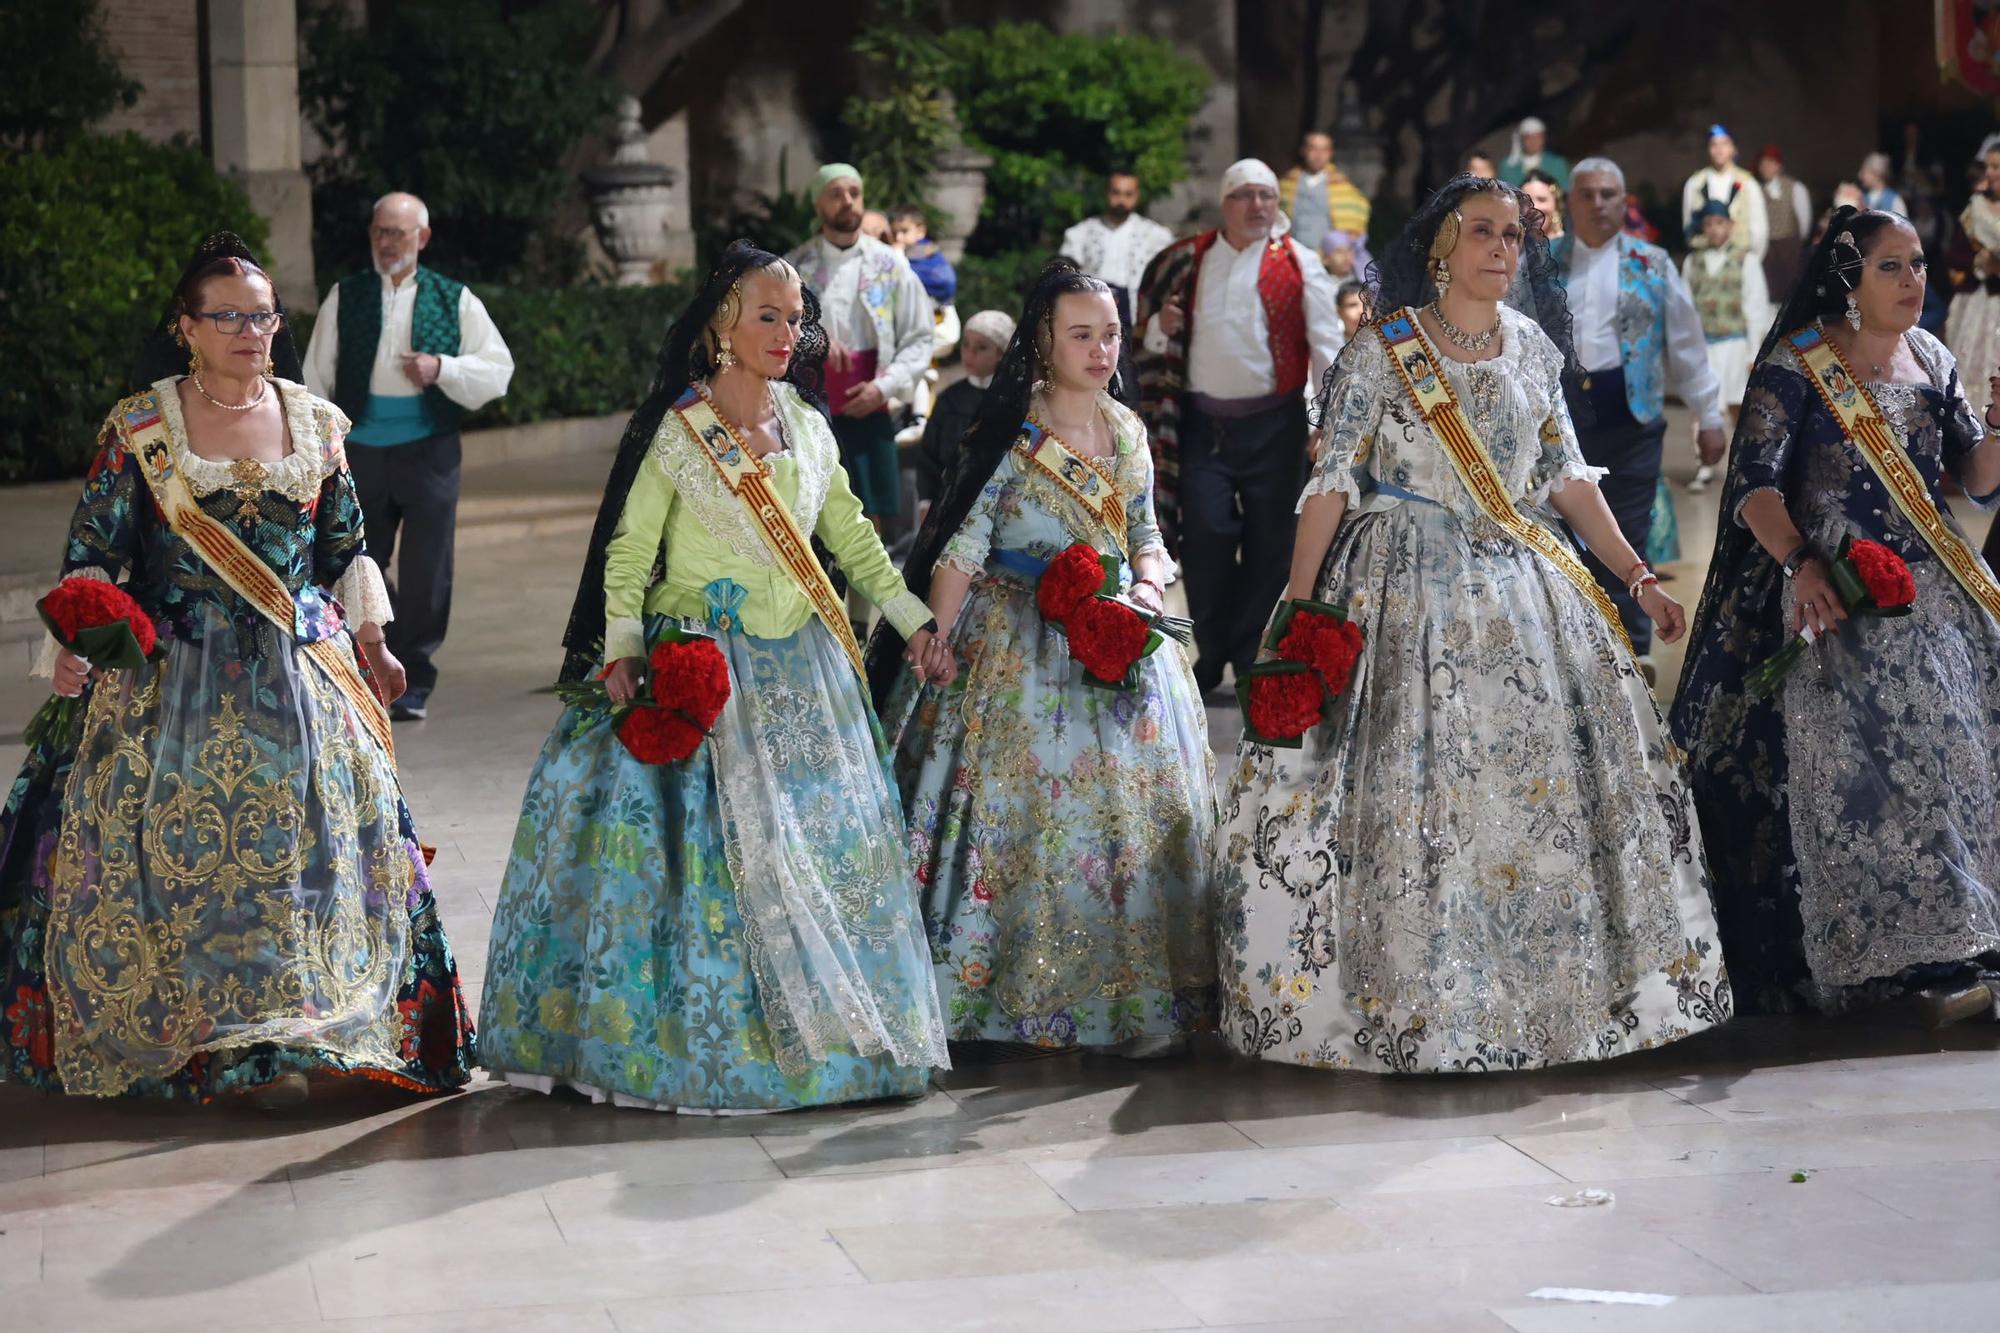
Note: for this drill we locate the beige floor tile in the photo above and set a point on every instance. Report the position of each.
(1285, 1285)
(1849, 1255)
(593, 1318)
(911, 1199)
(1932, 1307)
(1687, 1204)
(20, 1254)
(1325, 1172)
(1087, 1301)
(1957, 1192)
(142, 1305)
(1769, 1145)
(1405, 1117)
(1934, 1081)
(1109, 1239)
(55, 1202)
(640, 1269)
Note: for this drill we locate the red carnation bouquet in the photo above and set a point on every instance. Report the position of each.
(1870, 580)
(100, 623)
(1317, 647)
(1106, 632)
(689, 685)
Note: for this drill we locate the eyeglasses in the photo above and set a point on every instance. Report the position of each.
(232, 321)
(393, 233)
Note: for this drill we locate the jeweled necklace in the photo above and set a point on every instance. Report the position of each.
(263, 386)
(1470, 342)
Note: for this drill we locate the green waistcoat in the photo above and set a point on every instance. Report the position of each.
(433, 329)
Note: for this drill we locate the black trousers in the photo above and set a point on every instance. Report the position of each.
(409, 496)
(1240, 483)
(1631, 449)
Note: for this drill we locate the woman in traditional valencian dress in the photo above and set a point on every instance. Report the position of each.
(1061, 830)
(1483, 857)
(1850, 815)
(209, 881)
(739, 931)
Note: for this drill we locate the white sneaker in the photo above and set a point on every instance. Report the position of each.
(1703, 475)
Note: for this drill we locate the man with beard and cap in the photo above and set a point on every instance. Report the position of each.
(1727, 183)
(1237, 324)
(879, 326)
(1530, 152)
(406, 352)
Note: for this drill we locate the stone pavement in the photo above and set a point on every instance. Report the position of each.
(1063, 1193)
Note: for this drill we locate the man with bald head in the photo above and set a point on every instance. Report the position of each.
(405, 352)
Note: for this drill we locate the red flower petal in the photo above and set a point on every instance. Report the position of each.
(1070, 578)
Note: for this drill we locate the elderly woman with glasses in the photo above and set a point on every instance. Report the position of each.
(209, 880)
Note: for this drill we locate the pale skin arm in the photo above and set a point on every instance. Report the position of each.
(1582, 506)
(1819, 607)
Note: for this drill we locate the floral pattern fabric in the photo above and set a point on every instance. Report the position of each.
(1060, 831)
(223, 807)
(1850, 817)
(622, 962)
(1485, 858)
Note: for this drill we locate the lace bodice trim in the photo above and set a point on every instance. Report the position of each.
(316, 429)
(808, 442)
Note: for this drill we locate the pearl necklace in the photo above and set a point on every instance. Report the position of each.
(263, 386)
(1469, 342)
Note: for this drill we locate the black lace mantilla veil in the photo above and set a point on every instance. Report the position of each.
(1831, 269)
(986, 442)
(160, 356)
(1401, 276)
(684, 358)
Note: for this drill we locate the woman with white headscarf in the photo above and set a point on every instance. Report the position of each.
(1530, 152)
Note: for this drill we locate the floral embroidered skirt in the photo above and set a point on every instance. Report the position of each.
(625, 962)
(213, 881)
(1061, 833)
(1486, 857)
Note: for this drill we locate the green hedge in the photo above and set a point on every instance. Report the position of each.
(92, 239)
(998, 282)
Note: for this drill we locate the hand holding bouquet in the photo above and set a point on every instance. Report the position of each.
(100, 623)
(1108, 633)
(1870, 580)
(667, 721)
(1317, 647)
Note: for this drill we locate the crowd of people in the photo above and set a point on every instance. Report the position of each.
(1424, 485)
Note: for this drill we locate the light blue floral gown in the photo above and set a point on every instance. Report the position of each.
(1061, 831)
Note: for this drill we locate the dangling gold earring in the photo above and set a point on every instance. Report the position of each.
(725, 358)
(194, 360)
(1853, 313)
(1442, 276)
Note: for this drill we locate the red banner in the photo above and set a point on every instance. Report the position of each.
(1968, 43)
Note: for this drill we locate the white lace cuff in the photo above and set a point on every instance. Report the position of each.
(624, 636)
(44, 665)
(362, 594)
(1169, 571)
(1570, 472)
(907, 612)
(964, 564)
(1330, 481)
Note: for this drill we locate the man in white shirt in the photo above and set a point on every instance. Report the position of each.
(1238, 326)
(879, 326)
(1725, 182)
(1117, 244)
(1635, 322)
(405, 352)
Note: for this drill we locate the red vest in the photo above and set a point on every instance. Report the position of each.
(1282, 288)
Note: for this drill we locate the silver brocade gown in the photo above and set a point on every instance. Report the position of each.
(1486, 858)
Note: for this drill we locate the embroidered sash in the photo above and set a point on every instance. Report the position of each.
(745, 478)
(1071, 472)
(1850, 402)
(144, 433)
(1416, 362)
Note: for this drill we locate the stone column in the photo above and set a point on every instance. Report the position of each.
(253, 66)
